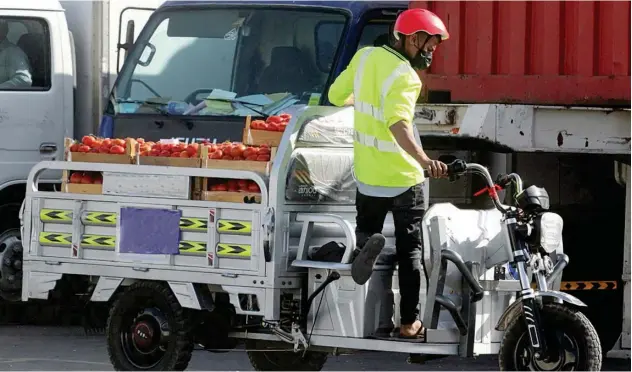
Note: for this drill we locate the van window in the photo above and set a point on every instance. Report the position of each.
(24, 54)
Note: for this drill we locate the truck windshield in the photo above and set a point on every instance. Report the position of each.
(228, 61)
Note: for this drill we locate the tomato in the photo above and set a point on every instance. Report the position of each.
(88, 140)
(213, 188)
(154, 152)
(242, 184)
(165, 153)
(232, 184)
(104, 150)
(264, 151)
(257, 124)
(192, 149)
(86, 178)
(212, 148)
(216, 155)
(83, 148)
(185, 154)
(96, 143)
(222, 187)
(237, 150)
(75, 177)
(285, 117)
(274, 119)
(118, 142)
(157, 147)
(253, 187)
(180, 147)
(273, 127)
(263, 126)
(227, 157)
(118, 150)
(263, 158)
(74, 148)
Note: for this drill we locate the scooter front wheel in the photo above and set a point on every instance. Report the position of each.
(572, 343)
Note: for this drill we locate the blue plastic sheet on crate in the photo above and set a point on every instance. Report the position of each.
(149, 231)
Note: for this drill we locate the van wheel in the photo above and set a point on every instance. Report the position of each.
(148, 330)
(11, 265)
(283, 360)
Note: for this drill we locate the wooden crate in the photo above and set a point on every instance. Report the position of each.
(168, 161)
(256, 137)
(262, 167)
(231, 197)
(79, 188)
(89, 157)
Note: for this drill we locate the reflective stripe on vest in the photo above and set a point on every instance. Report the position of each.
(370, 141)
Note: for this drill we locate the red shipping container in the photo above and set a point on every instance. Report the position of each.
(531, 52)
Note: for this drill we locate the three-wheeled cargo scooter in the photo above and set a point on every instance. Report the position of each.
(277, 274)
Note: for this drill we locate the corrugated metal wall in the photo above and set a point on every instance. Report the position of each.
(535, 52)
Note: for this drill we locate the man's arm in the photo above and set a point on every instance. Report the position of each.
(341, 90)
(399, 109)
(19, 70)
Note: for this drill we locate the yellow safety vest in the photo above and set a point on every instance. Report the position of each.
(385, 89)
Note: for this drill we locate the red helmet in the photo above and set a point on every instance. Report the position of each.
(415, 20)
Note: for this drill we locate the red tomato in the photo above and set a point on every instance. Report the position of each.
(74, 148)
(175, 154)
(227, 157)
(88, 140)
(274, 119)
(285, 117)
(263, 158)
(237, 150)
(118, 150)
(75, 177)
(118, 142)
(253, 187)
(273, 127)
(154, 152)
(232, 183)
(192, 149)
(185, 154)
(264, 150)
(104, 150)
(106, 142)
(242, 183)
(252, 158)
(256, 124)
(165, 154)
(222, 187)
(84, 148)
(86, 178)
(216, 155)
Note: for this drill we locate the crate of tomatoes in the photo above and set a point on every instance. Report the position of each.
(93, 149)
(171, 152)
(82, 182)
(237, 156)
(266, 132)
(231, 191)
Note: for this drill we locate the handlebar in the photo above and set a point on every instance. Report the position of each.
(460, 167)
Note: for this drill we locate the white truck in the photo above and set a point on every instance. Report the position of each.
(72, 50)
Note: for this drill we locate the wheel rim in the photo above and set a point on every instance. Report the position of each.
(563, 353)
(146, 337)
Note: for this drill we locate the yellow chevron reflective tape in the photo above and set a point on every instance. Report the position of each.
(589, 286)
(187, 246)
(56, 239)
(100, 218)
(234, 227)
(98, 241)
(55, 215)
(193, 224)
(233, 250)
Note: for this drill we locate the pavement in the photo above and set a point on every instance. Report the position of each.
(32, 348)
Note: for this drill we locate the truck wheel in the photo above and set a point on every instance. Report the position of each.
(148, 330)
(572, 338)
(283, 360)
(11, 265)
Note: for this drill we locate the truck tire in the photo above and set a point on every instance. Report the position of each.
(147, 329)
(283, 360)
(574, 333)
(11, 265)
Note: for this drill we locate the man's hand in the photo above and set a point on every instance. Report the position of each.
(436, 168)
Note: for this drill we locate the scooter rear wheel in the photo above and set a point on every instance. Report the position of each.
(571, 338)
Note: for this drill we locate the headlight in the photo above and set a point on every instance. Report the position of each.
(551, 226)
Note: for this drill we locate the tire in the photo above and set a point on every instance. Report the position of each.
(11, 265)
(134, 338)
(283, 360)
(576, 331)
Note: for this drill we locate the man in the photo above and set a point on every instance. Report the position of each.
(383, 86)
(15, 71)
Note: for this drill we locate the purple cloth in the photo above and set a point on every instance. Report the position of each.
(150, 231)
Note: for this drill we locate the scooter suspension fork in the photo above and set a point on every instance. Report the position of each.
(531, 312)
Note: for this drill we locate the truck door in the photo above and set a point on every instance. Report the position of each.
(130, 22)
(34, 87)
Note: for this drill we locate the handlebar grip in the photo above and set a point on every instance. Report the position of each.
(456, 167)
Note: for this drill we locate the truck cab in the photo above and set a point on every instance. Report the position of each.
(239, 52)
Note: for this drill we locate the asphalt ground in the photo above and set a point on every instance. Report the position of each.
(37, 348)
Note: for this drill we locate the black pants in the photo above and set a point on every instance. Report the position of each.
(408, 210)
